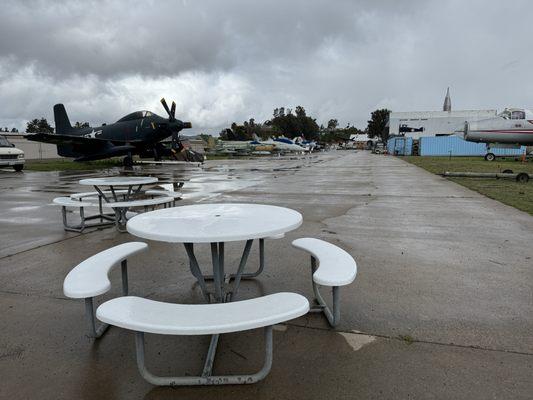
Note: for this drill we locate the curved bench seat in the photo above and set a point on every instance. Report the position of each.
(168, 193)
(149, 316)
(162, 192)
(330, 266)
(78, 196)
(335, 266)
(90, 278)
(139, 203)
(121, 208)
(69, 202)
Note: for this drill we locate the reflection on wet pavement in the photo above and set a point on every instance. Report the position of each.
(28, 220)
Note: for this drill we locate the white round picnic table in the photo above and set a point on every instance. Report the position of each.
(119, 181)
(213, 223)
(216, 224)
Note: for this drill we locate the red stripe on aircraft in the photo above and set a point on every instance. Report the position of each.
(504, 131)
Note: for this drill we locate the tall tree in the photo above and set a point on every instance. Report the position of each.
(377, 126)
(294, 125)
(81, 124)
(332, 124)
(300, 112)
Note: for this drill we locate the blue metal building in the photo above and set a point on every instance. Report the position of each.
(455, 146)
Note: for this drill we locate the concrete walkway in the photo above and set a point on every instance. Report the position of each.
(442, 306)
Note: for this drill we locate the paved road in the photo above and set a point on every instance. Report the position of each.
(441, 308)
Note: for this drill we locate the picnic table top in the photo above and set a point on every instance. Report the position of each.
(210, 223)
(119, 181)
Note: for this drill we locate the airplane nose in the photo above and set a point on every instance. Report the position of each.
(187, 125)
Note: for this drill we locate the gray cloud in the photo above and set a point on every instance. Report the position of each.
(231, 60)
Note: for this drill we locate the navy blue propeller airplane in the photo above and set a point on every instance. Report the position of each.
(140, 132)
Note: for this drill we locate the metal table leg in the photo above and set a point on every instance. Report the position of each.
(242, 264)
(249, 275)
(195, 269)
(220, 295)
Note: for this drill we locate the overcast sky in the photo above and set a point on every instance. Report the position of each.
(225, 61)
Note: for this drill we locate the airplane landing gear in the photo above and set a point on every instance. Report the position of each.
(128, 161)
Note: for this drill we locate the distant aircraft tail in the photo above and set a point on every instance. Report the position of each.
(61, 119)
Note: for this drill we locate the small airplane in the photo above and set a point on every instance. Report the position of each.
(511, 128)
(282, 144)
(308, 145)
(137, 133)
(260, 147)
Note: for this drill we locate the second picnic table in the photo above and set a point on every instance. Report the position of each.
(113, 182)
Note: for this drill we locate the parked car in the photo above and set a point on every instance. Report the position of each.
(379, 148)
(10, 156)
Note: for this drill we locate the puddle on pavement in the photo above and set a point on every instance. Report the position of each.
(25, 197)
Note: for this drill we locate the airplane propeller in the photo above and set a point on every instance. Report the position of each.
(176, 145)
(173, 110)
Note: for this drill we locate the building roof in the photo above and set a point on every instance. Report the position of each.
(443, 114)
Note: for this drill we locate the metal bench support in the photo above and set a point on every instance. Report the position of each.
(204, 379)
(94, 330)
(334, 315)
(83, 219)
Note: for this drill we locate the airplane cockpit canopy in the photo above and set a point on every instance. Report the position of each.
(135, 115)
(513, 114)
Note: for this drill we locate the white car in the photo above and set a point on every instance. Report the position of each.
(10, 156)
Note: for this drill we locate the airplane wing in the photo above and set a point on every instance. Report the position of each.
(54, 138)
(82, 148)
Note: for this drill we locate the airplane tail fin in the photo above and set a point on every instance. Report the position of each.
(61, 119)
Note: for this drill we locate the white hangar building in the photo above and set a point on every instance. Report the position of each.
(434, 123)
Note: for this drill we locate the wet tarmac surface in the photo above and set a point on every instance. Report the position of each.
(26, 198)
(441, 307)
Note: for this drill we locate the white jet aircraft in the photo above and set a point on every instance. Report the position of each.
(511, 128)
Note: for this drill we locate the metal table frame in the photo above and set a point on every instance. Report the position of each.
(130, 193)
(119, 218)
(221, 280)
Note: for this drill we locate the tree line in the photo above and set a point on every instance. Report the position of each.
(298, 124)
(37, 125)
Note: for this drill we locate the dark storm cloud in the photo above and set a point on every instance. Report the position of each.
(232, 60)
(166, 38)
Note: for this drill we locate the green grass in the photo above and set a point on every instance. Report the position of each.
(509, 192)
(408, 339)
(69, 165)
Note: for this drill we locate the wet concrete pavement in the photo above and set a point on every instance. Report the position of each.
(441, 307)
